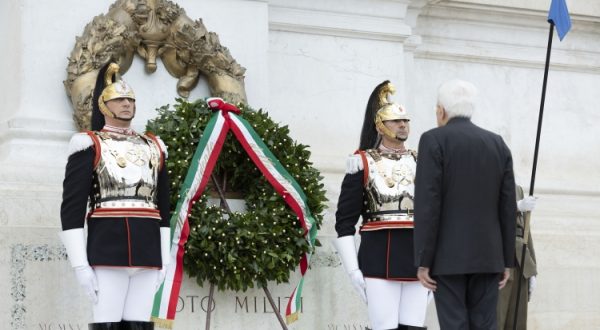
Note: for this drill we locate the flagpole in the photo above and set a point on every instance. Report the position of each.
(532, 183)
(539, 127)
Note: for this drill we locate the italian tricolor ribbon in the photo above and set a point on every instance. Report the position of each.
(205, 157)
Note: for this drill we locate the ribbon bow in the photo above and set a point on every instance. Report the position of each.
(217, 103)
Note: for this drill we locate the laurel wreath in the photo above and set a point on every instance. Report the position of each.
(237, 251)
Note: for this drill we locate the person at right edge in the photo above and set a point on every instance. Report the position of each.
(465, 210)
(527, 272)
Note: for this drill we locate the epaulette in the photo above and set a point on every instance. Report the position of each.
(354, 164)
(80, 142)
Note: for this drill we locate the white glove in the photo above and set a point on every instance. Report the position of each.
(165, 255)
(74, 242)
(532, 284)
(347, 250)
(527, 204)
(358, 282)
(87, 280)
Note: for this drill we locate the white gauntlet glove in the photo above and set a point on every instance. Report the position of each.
(347, 250)
(532, 284)
(165, 254)
(87, 280)
(74, 242)
(527, 204)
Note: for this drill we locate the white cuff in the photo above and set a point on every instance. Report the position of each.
(346, 248)
(74, 242)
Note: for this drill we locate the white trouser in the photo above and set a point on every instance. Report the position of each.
(390, 303)
(124, 294)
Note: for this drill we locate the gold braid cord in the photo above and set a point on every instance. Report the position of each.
(152, 29)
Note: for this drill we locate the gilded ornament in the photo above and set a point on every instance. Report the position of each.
(402, 174)
(152, 29)
(137, 156)
(390, 182)
(121, 161)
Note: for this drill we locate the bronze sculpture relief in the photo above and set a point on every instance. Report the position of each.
(152, 29)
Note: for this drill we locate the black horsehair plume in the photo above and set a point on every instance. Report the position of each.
(368, 135)
(97, 116)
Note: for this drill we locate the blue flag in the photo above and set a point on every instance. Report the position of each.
(559, 16)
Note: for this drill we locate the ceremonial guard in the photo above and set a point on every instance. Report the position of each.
(379, 186)
(122, 176)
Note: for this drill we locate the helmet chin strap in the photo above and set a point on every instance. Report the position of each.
(123, 119)
(386, 131)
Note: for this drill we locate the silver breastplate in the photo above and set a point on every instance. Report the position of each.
(390, 186)
(127, 171)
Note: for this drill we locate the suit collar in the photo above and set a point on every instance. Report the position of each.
(457, 120)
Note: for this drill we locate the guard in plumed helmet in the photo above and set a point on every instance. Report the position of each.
(122, 176)
(379, 187)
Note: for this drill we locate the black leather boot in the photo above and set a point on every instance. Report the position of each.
(105, 326)
(402, 327)
(137, 325)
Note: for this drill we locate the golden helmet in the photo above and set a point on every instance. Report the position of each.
(113, 90)
(388, 110)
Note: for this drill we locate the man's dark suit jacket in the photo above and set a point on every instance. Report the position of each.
(465, 207)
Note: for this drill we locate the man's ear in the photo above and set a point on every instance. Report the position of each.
(441, 112)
